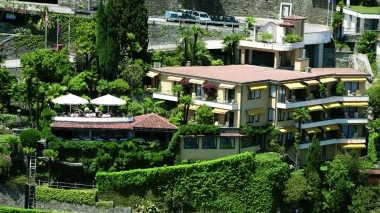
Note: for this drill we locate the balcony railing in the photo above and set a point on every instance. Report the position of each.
(272, 46)
(288, 104)
(229, 105)
(327, 141)
(168, 96)
(330, 121)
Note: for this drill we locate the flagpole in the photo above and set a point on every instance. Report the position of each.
(46, 26)
(328, 11)
(57, 32)
(332, 10)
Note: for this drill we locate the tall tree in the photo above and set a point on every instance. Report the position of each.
(185, 34)
(230, 43)
(313, 156)
(300, 114)
(113, 47)
(374, 100)
(50, 155)
(197, 33)
(101, 36)
(85, 43)
(133, 74)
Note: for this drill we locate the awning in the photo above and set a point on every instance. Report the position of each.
(330, 127)
(354, 146)
(227, 86)
(353, 79)
(355, 104)
(174, 78)
(220, 111)
(327, 80)
(295, 85)
(151, 74)
(312, 82)
(331, 106)
(315, 108)
(288, 129)
(193, 107)
(258, 86)
(196, 81)
(255, 111)
(313, 130)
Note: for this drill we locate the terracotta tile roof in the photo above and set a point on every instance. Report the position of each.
(77, 125)
(149, 121)
(221, 135)
(287, 24)
(245, 74)
(152, 121)
(294, 17)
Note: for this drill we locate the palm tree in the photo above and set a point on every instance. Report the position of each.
(300, 114)
(250, 21)
(202, 55)
(186, 101)
(367, 42)
(50, 155)
(230, 43)
(185, 35)
(151, 106)
(54, 90)
(28, 151)
(197, 32)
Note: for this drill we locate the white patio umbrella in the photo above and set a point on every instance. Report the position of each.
(108, 100)
(70, 99)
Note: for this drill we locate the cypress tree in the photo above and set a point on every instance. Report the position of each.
(313, 156)
(101, 36)
(112, 56)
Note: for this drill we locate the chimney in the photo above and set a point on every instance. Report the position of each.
(156, 64)
(188, 63)
(308, 69)
(303, 53)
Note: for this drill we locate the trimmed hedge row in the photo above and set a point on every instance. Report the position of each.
(9, 120)
(199, 129)
(4, 209)
(46, 194)
(239, 183)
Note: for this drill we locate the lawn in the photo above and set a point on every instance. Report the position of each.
(368, 10)
(267, 155)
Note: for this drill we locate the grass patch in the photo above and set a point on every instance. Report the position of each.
(267, 156)
(366, 10)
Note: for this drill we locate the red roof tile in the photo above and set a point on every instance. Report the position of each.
(245, 74)
(221, 135)
(294, 17)
(77, 125)
(287, 24)
(152, 121)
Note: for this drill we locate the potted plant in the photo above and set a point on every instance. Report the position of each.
(339, 89)
(322, 89)
(266, 37)
(211, 91)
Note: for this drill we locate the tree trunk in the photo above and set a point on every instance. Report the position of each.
(194, 48)
(185, 51)
(233, 53)
(49, 167)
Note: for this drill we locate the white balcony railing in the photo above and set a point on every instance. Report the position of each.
(358, 140)
(331, 99)
(272, 46)
(93, 120)
(220, 105)
(165, 96)
(317, 37)
(334, 121)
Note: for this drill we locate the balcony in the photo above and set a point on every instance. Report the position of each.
(168, 96)
(324, 142)
(272, 46)
(221, 104)
(327, 122)
(323, 100)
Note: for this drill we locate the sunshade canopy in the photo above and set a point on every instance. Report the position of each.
(108, 100)
(354, 146)
(70, 99)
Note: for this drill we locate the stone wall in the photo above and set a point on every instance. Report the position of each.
(11, 197)
(79, 208)
(331, 54)
(315, 10)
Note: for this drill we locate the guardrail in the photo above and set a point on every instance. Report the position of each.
(194, 21)
(64, 185)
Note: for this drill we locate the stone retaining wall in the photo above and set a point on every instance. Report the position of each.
(79, 208)
(11, 197)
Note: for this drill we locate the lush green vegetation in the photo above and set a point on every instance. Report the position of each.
(240, 183)
(365, 10)
(293, 38)
(199, 129)
(4, 209)
(46, 194)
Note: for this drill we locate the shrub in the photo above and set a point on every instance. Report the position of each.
(199, 129)
(46, 194)
(217, 62)
(4, 209)
(186, 86)
(46, 117)
(5, 164)
(339, 89)
(293, 38)
(211, 90)
(9, 120)
(104, 204)
(230, 184)
(17, 182)
(30, 137)
(204, 115)
(266, 37)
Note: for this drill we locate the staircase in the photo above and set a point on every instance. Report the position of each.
(32, 181)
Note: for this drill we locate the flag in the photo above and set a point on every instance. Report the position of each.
(58, 29)
(46, 18)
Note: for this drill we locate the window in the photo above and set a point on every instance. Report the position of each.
(252, 94)
(257, 118)
(250, 141)
(209, 143)
(348, 130)
(281, 115)
(280, 138)
(271, 114)
(250, 118)
(350, 111)
(199, 91)
(281, 94)
(324, 150)
(191, 143)
(288, 137)
(229, 94)
(289, 115)
(352, 86)
(272, 92)
(227, 143)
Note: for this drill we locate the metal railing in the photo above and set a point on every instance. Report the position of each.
(330, 96)
(64, 185)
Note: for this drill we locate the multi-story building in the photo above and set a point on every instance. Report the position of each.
(252, 95)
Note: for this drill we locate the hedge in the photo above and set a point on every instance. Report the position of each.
(238, 183)
(45, 194)
(4, 209)
(9, 120)
(199, 129)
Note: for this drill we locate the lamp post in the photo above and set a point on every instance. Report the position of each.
(18, 118)
(58, 31)
(179, 18)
